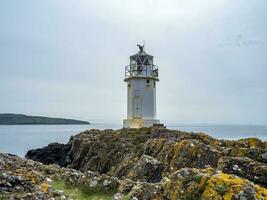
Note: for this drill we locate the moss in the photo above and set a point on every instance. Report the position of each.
(81, 193)
(198, 177)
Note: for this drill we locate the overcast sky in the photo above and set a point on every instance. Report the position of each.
(66, 58)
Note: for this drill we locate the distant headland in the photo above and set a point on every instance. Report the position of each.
(20, 119)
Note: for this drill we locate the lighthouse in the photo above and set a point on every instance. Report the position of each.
(141, 76)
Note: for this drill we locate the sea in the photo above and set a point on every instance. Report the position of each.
(18, 139)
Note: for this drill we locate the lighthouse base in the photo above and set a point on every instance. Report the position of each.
(139, 122)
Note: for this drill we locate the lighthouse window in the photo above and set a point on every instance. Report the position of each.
(154, 84)
(147, 81)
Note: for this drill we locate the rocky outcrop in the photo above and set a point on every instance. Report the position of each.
(145, 169)
(26, 179)
(198, 184)
(158, 163)
(244, 167)
(54, 153)
(209, 184)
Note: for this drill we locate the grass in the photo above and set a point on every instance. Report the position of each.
(79, 193)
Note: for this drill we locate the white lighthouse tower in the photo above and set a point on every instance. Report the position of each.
(141, 77)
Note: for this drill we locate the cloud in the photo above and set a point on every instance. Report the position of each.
(240, 40)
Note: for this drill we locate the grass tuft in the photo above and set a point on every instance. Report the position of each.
(80, 193)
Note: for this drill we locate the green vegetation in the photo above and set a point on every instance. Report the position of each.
(80, 193)
(19, 119)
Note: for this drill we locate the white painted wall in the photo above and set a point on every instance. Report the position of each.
(141, 98)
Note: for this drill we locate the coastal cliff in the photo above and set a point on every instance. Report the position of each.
(155, 163)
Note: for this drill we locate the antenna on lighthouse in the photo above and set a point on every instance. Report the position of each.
(141, 47)
(144, 43)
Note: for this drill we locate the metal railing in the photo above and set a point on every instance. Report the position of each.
(150, 71)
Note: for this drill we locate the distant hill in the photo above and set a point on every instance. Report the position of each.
(20, 119)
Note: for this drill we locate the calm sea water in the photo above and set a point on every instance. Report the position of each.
(18, 139)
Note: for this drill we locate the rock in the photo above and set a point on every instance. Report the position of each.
(208, 184)
(246, 168)
(175, 149)
(92, 180)
(144, 191)
(93, 183)
(250, 143)
(252, 153)
(232, 187)
(248, 193)
(192, 153)
(54, 153)
(263, 157)
(146, 168)
(133, 161)
(47, 179)
(63, 197)
(58, 192)
(126, 185)
(24, 179)
(117, 196)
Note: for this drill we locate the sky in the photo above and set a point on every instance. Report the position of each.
(66, 58)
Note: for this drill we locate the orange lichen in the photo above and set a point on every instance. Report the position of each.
(44, 187)
(185, 147)
(202, 182)
(226, 186)
(261, 193)
(33, 179)
(254, 142)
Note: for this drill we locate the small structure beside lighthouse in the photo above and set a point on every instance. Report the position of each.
(141, 76)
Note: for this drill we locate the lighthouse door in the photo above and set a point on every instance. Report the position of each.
(137, 105)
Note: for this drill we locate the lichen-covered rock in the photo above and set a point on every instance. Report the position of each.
(186, 183)
(25, 179)
(250, 143)
(104, 151)
(86, 155)
(145, 191)
(126, 185)
(252, 153)
(182, 153)
(244, 167)
(92, 180)
(263, 157)
(208, 184)
(225, 186)
(134, 161)
(145, 168)
(191, 153)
